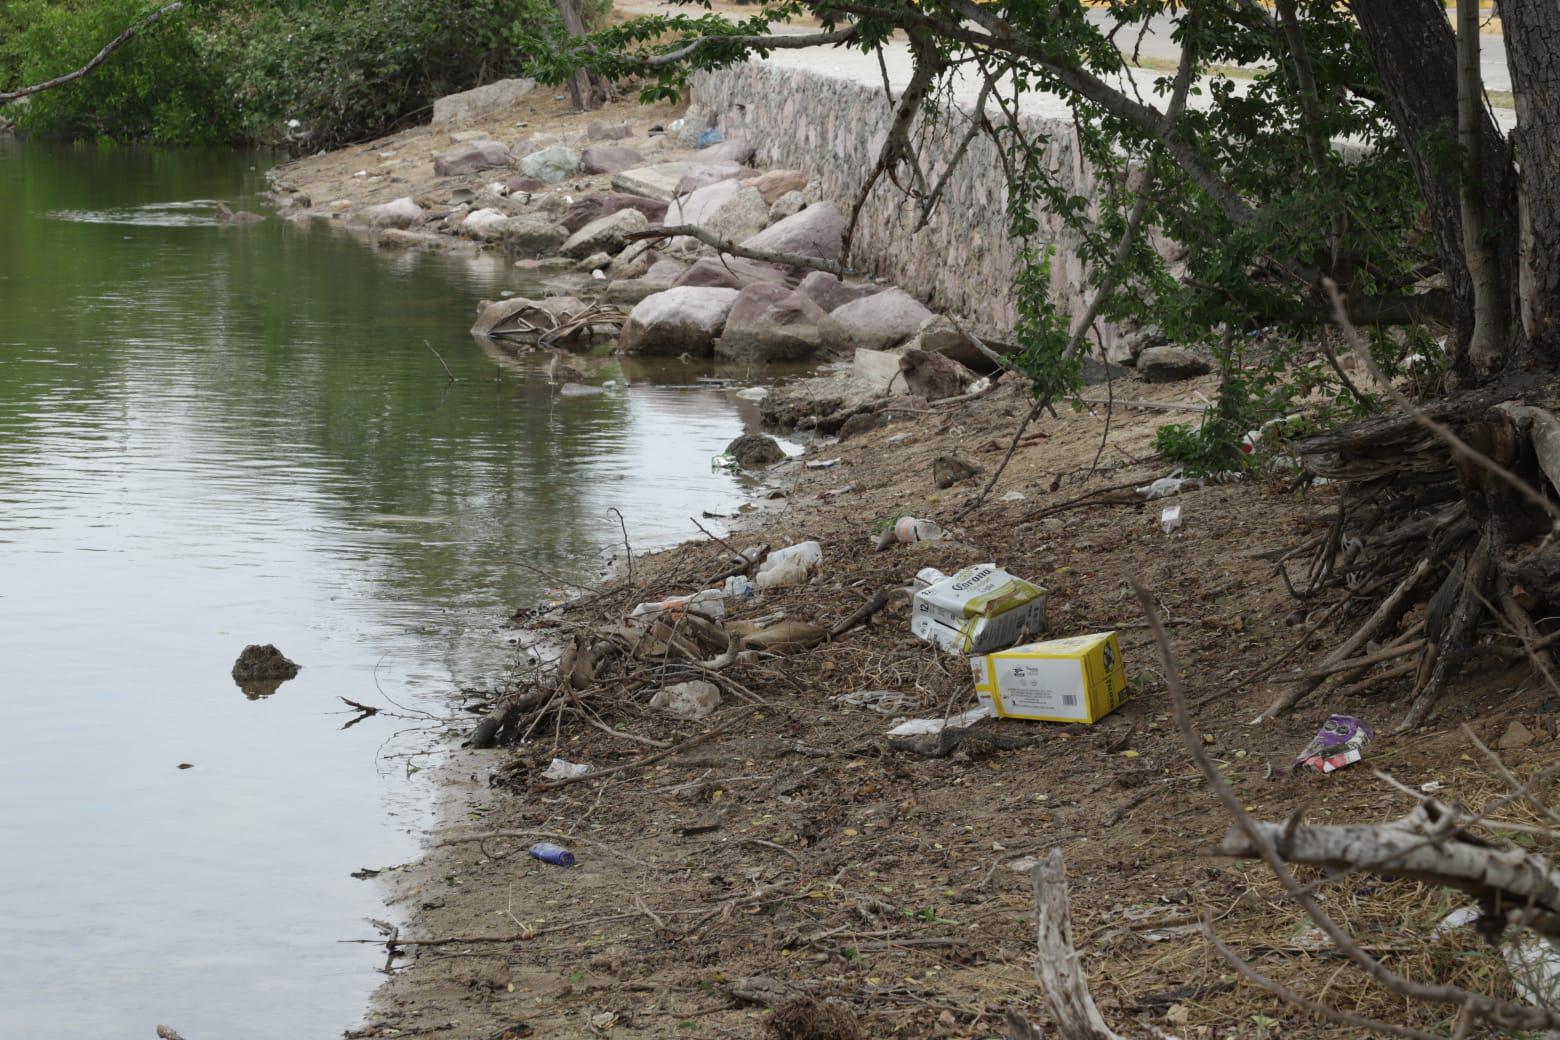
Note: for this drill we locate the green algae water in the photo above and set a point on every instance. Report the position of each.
(215, 435)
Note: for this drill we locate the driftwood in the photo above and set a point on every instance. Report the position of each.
(1427, 845)
(1057, 964)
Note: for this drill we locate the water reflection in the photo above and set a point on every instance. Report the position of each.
(211, 439)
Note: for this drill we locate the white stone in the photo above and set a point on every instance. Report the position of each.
(471, 105)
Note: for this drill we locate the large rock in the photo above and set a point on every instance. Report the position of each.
(787, 205)
(774, 183)
(264, 662)
(770, 323)
(726, 209)
(521, 184)
(730, 272)
(471, 105)
(608, 158)
(876, 322)
(828, 292)
(593, 207)
(817, 231)
(939, 335)
(653, 182)
(531, 238)
(484, 224)
(599, 131)
(398, 213)
(737, 149)
(755, 450)
(1171, 365)
(933, 376)
(608, 234)
(879, 370)
(551, 165)
(702, 176)
(664, 272)
(685, 320)
(472, 158)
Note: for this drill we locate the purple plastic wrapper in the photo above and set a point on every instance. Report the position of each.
(557, 855)
(1340, 742)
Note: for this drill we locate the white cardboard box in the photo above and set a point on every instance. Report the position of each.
(980, 609)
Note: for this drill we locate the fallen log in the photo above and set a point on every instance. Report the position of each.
(1427, 845)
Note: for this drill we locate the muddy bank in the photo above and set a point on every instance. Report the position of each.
(782, 846)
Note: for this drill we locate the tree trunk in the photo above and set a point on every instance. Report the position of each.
(582, 86)
(1487, 345)
(1532, 35)
(1415, 53)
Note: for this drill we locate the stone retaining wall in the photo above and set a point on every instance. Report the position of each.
(962, 261)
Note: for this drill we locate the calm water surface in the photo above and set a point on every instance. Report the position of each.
(213, 436)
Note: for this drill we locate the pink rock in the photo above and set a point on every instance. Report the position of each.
(775, 183)
(607, 158)
(472, 158)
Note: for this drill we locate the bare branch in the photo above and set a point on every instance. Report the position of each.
(781, 41)
(146, 21)
(810, 263)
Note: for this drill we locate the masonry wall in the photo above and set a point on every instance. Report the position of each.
(962, 261)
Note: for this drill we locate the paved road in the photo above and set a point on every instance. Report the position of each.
(1154, 43)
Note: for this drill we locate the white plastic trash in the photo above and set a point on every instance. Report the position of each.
(792, 565)
(710, 602)
(688, 700)
(562, 769)
(909, 529)
(1170, 518)
(738, 586)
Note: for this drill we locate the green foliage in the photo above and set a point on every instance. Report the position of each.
(158, 87)
(223, 70)
(348, 71)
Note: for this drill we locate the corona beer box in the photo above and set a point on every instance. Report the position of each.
(978, 610)
(1081, 679)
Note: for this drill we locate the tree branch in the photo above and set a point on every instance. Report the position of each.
(810, 263)
(782, 41)
(146, 21)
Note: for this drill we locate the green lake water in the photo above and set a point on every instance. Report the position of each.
(212, 436)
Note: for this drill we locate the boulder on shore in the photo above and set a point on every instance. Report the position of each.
(725, 209)
(529, 238)
(769, 322)
(608, 158)
(1171, 364)
(774, 183)
(817, 231)
(755, 450)
(703, 175)
(939, 335)
(735, 149)
(608, 234)
(828, 292)
(551, 165)
(875, 322)
(471, 158)
(933, 376)
(599, 131)
(730, 272)
(593, 207)
(397, 213)
(684, 320)
(470, 105)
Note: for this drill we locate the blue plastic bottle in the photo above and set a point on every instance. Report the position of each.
(557, 855)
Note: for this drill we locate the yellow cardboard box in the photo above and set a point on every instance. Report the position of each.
(1081, 679)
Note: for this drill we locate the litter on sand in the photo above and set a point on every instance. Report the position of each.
(884, 702)
(916, 727)
(562, 769)
(1081, 679)
(1170, 519)
(907, 530)
(1340, 742)
(977, 610)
